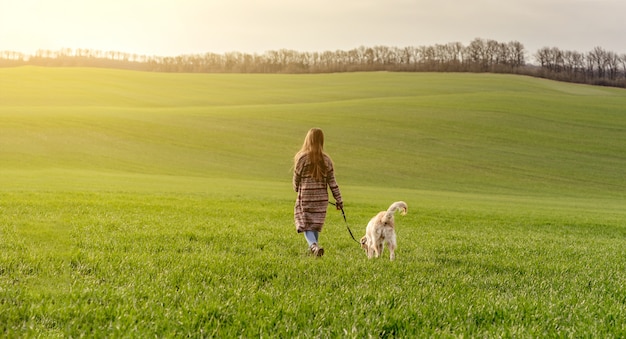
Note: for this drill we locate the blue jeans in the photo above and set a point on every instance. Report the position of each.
(311, 237)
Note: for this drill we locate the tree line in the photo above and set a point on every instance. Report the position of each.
(598, 67)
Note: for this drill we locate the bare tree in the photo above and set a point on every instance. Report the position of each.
(598, 56)
(516, 54)
(612, 64)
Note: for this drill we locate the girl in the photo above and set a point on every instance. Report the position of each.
(313, 174)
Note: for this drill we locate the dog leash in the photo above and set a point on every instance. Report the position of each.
(344, 219)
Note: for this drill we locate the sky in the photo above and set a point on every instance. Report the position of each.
(175, 27)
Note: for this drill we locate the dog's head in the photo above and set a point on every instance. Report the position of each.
(403, 208)
(364, 244)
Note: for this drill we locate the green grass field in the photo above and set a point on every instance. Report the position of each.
(152, 204)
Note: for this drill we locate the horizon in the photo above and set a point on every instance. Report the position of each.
(72, 52)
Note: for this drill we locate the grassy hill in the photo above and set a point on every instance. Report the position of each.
(443, 132)
(160, 205)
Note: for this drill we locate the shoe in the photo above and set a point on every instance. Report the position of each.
(316, 250)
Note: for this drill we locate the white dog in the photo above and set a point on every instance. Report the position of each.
(380, 229)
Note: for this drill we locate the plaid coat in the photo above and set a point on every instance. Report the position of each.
(312, 201)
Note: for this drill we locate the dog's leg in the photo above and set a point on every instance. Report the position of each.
(374, 248)
(391, 242)
(371, 251)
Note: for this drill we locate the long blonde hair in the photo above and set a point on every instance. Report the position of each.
(313, 146)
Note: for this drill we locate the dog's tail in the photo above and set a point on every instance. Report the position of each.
(396, 206)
